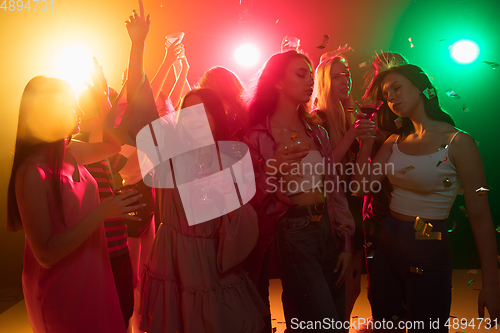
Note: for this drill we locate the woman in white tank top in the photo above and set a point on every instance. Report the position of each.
(426, 163)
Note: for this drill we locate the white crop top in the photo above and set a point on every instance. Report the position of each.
(311, 170)
(423, 185)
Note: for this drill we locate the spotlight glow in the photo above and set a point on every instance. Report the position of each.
(73, 65)
(464, 51)
(247, 55)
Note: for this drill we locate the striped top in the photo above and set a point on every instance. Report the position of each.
(116, 229)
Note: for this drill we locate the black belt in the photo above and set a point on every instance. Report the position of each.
(309, 210)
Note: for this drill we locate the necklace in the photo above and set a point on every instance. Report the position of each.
(295, 134)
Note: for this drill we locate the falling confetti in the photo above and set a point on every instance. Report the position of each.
(447, 182)
(364, 65)
(453, 226)
(493, 65)
(471, 282)
(277, 21)
(443, 146)
(442, 40)
(439, 163)
(415, 270)
(462, 208)
(452, 94)
(405, 170)
(472, 271)
(465, 108)
(326, 38)
(498, 229)
(482, 190)
(411, 43)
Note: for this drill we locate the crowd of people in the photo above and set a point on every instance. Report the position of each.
(172, 240)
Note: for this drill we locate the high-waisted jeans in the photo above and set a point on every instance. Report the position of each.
(307, 257)
(411, 278)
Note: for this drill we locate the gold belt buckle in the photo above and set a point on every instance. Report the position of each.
(423, 230)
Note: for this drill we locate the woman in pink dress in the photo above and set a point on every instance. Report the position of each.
(192, 281)
(67, 279)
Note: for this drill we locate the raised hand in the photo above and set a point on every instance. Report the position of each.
(100, 85)
(173, 52)
(138, 25)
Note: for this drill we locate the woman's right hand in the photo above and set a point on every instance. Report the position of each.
(364, 128)
(117, 205)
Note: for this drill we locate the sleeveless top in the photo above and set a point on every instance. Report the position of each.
(77, 294)
(423, 185)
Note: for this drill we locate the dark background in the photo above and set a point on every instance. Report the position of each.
(31, 41)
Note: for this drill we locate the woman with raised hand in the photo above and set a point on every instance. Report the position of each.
(313, 225)
(426, 161)
(67, 279)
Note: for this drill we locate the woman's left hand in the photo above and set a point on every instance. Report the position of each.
(345, 260)
(490, 298)
(138, 25)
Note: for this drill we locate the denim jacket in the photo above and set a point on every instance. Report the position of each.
(273, 200)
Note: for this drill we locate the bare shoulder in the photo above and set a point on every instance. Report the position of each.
(31, 175)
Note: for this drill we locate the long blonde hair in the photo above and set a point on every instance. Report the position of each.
(326, 101)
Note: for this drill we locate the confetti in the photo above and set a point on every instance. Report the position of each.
(465, 108)
(453, 226)
(493, 65)
(439, 163)
(482, 190)
(443, 146)
(161, 5)
(415, 270)
(277, 21)
(429, 93)
(398, 122)
(452, 94)
(411, 43)
(364, 65)
(498, 229)
(405, 170)
(447, 183)
(472, 271)
(370, 243)
(471, 282)
(442, 40)
(462, 208)
(326, 38)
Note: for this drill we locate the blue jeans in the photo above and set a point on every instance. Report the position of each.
(397, 291)
(307, 257)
